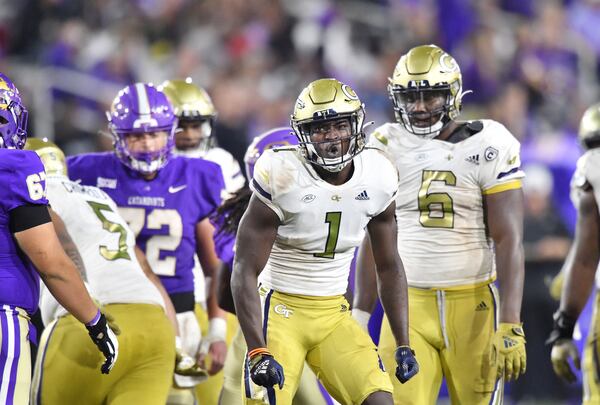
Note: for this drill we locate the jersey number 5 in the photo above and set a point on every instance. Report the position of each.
(333, 219)
(436, 209)
(112, 227)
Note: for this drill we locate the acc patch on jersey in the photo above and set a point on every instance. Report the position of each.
(490, 153)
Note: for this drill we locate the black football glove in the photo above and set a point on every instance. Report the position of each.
(266, 371)
(407, 364)
(106, 341)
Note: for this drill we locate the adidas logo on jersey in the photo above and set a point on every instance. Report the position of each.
(481, 307)
(362, 196)
(473, 159)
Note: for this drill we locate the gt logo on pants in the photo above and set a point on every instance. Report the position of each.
(283, 310)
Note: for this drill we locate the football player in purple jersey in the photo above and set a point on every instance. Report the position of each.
(165, 199)
(29, 246)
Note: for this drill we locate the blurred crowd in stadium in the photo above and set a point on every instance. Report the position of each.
(532, 65)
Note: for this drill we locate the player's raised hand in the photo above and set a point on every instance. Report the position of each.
(264, 369)
(105, 339)
(407, 364)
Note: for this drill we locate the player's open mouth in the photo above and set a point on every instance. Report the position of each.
(424, 120)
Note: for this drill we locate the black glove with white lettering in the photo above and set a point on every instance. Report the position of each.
(105, 339)
(265, 370)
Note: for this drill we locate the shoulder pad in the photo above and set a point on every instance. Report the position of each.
(465, 131)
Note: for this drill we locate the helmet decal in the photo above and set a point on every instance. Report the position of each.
(13, 116)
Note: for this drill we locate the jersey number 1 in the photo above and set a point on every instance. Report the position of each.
(333, 219)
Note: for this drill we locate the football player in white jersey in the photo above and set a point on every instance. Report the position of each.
(580, 268)
(194, 138)
(310, 208)
(460, 221)
(119, 278)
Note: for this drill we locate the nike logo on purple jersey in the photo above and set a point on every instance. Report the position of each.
(174, 190)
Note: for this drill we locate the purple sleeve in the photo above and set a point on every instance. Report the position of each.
(77, 168)
(27, 183)
(224, 243)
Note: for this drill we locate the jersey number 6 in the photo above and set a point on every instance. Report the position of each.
(436, 209)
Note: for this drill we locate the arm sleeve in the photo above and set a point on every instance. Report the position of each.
(28, 216)
(262, 183)
(501, 163)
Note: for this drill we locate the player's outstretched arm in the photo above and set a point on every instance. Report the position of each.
(255, 237)
(40, 243)
(365, 287)
(579, 271)
(392, 287)
(504, 219)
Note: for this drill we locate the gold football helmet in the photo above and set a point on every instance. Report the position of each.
(51, 156)
(426, 90)
(327, 101)
(589, 127)
(192, 105)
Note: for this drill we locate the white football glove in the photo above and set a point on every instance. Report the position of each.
(187, 346)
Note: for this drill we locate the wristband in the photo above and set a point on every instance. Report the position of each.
(95, 319)
(217, 329)
(257, 351)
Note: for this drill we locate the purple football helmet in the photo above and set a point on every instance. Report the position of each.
(274, 138)
(13, 116)
(141, 108)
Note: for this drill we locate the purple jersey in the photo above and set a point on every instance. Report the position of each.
(22, 182)
(224, 245)
(162, 212)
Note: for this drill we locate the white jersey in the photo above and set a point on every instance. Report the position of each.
(232, 173)
(321, 224)
(587, 174)
(441, 231)
(234, 180)
(105, 243)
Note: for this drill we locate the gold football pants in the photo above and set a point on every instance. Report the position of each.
(451, 333)
(67, 369)
(321, 332)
